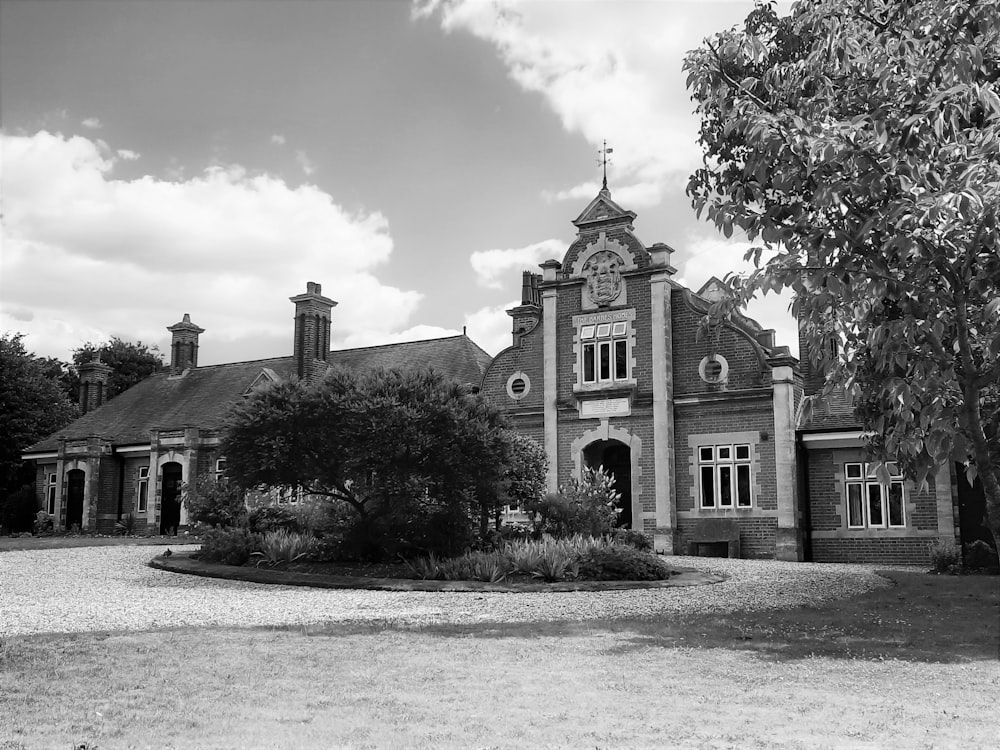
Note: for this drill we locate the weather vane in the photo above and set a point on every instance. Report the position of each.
(603, 162)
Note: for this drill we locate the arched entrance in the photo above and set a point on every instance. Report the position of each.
(170, 499)
(616, 458)
(76, 479)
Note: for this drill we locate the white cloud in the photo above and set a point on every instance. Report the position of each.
(86, 255)
(496, 268)
(278, 140)
(303, 161)
(490, 327)
(604, 72)
(127, 155)
(93, 123)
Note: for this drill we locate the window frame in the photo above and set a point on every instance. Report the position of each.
(605, 353)
(730, 477)
(142, 490)
(872, 494)
(51, 485)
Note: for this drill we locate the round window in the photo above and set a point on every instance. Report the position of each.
(714, 369)
(518, 385)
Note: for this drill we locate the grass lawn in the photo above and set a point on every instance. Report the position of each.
(906, 667)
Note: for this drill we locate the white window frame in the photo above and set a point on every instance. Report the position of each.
(600, 338)
(870, 507)
(51, 485)
(142, 490)
(220, 468)
(727, 465)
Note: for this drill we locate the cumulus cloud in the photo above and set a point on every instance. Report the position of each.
(490, 327)
(497, 269)
(93, 123)
(605, 74)
(127, 155)
(89, 256)
(278, 140)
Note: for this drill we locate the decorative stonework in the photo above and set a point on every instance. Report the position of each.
(603, 272)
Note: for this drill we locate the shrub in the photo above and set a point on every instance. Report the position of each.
(17, 511)
(126, 525)
(281, 546)
(946, 557)
(620, 563)
(979, 556)
(585, 506)
(228, 546)
(325, 549)
(216, 502)
(267, 518)
(632, 538)
(44, 524)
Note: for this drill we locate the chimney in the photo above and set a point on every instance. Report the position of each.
(312, 331)
(93, 384)
(526, 314)
(184, 346)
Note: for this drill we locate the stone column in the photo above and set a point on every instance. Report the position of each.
(663, 410)
(788, 541)
(550, 391)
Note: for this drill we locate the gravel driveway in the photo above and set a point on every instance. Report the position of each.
(112, 589)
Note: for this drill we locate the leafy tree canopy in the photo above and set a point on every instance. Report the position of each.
(129, 362)
(32, 405)
(859, 141)
(415, 455)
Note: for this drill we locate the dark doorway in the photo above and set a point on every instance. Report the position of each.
(75, 482)
(971, 509)
(170, 501)
(616, 458)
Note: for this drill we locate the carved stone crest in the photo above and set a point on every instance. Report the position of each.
(603, 272)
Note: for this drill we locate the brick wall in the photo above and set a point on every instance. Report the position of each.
(831, 539)
(746, 368)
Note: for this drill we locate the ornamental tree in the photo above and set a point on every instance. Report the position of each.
(858, 142)
(417, 457)
(130, 363)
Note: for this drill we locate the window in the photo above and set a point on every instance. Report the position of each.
(871, 503)
(142, 490)
(220, 468)
(724, 476)
(50, 494)
(605, 352)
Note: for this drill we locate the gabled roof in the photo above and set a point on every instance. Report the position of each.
(603, 209)
(456, 356)
(203, 396)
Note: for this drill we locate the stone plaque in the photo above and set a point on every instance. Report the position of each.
(607, 407)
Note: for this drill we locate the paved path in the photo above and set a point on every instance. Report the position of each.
(112, 589)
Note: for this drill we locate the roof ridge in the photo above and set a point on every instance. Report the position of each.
(398, 343)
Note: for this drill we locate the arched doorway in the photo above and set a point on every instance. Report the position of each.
(616, 458)
(170, 499)
(76, 480)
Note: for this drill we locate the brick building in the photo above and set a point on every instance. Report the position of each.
(701, 431)
(134, 453)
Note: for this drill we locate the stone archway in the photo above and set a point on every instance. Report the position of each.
(616, 459)
(608, 434)
(76, 482)
(170, 498)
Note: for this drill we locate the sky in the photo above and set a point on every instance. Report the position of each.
(210, 157)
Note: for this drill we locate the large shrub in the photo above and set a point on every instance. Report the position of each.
(216, 502)
(17, 513)
(416, 457)
(267, 518)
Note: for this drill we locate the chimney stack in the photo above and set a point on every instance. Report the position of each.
(184, 346)
(312, 331)
(93, 384)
